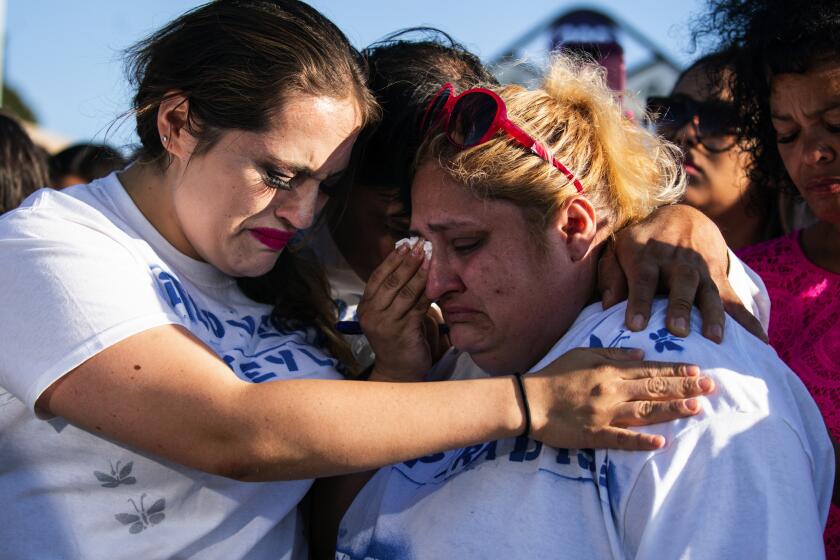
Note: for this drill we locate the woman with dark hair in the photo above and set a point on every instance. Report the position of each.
(138, 415)
(23, 168)
(699, 117)
(787, 88)
(365, 221)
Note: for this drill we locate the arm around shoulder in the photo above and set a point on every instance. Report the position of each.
(165, 392)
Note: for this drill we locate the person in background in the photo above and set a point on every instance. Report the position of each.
(83, 163)
(23, 168)
(750, 477)
(787, 89)
(700, 118)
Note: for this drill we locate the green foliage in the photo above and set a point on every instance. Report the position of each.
(13, 103)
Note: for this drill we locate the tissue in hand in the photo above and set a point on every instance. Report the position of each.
(412, 242)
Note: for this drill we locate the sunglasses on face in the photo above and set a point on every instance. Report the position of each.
(474, 116)
(713, 121)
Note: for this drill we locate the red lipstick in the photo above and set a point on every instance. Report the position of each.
(274, 239)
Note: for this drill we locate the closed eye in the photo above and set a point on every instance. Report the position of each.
(464, 246)
(277, 181)
(398, 225)
(786, 137)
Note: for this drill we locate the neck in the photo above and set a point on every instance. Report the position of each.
(821, 245)
(151, 191)
(740, 228)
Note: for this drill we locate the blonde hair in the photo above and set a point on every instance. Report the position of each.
(625, 170)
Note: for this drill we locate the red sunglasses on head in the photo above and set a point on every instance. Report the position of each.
(474, 116)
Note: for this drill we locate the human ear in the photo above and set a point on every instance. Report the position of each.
(173, 126)
(578, 226)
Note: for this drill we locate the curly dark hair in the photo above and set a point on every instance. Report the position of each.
(769, 37)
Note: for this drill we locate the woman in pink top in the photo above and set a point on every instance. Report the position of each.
(805, 316)
(787, 88)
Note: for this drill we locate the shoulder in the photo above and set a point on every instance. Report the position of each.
(54, 216)
(748, 374)
(752, 385)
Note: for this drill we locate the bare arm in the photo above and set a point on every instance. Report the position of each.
(164, 392)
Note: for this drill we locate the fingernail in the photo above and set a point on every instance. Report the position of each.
(606, 297)
(705, 384)
(691, 371)
(637, 323)
(716, 332)
(637, 353)
(403, 249)
(679, 324)
(692, 405)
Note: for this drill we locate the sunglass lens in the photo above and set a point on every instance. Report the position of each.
(716, 120)
(717, 130)
(435, 110)
(471, 118)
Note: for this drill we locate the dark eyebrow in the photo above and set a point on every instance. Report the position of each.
(834, 104)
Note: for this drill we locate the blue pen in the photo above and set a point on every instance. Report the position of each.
(353, 327)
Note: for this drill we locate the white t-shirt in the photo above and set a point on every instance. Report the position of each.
(749, 477)
(80, 270)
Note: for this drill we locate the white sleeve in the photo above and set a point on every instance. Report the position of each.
(750, 289)
(737, 486)
(68, 290)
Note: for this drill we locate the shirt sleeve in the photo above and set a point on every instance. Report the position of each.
(68, 290)
(737, 486)
(750, 289)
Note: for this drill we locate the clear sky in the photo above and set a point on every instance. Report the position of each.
(64, 56)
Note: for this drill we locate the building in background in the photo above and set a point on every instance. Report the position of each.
(636, 67)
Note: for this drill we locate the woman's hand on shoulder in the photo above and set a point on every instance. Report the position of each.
(588, 397)
(680, 251)
(403, 329)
